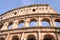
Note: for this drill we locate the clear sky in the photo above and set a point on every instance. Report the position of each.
(6, 5)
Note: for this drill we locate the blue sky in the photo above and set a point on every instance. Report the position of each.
(6, 5)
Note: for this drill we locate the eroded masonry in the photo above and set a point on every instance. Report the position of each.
(30, 19)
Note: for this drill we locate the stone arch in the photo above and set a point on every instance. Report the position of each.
(21, 24)
(45, 22)
(2, 38)
(33, 22)
(48, 37)
(10, 25)
(15, 38)
(31, 37)
(57, 22)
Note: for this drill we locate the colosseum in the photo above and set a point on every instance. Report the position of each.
(26, 23)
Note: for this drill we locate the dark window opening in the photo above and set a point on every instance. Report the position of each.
(31, 37)
(1, 38)
(33, 10)
(48, 37)
(15, 38)
(15, 13)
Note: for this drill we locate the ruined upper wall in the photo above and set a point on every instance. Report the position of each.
(31, 9)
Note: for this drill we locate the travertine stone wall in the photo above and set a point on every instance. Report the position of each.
(27, 14)
(32, 9)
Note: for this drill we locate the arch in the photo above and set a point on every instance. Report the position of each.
(57, 22)
(2, 38)
(15, 38)
(48, 37)
(21, 24)
(10, 25)
(45, 22)
(33, 22)
(31, 37)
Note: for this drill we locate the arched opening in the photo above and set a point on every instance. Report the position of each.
(10, 25)
(1, 26)
(1, 38)
(15, 38)
(45, 22)
(21, 24)
(33, 22)
(48, 37)
(57, 22)
(31, 37)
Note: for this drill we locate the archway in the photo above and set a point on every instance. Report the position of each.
(1, 38)
(21, 24)
(57, 22)
(33, 22)
(48, 37)
(45, 22)
(10, 25)
(31, 37)
(15, 38)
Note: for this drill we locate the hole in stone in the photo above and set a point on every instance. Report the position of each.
(33, 10)
(15, 13)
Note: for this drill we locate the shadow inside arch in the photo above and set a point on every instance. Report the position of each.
(31, 37)
(2, 38)
(48, 37)
(15, 38)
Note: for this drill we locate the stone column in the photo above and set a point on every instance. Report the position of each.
(51, 23)
(7, 38)
(39, 35)
(39, 22)
(22, 37)
(15, 25)
(26, 22)
(54, 22)
(5, 26)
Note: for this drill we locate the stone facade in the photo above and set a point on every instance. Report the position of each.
(27, 14)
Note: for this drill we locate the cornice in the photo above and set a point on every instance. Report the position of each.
(35, 29)
(25, 7)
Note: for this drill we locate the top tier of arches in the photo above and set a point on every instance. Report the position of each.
(31, 9)
(31, 22)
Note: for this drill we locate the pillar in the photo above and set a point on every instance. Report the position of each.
(8, 36)
(22, 37)
(52, 22)
(39, 22)
(39, 35)
(26, 22)
(5, 26)
(15, 25)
